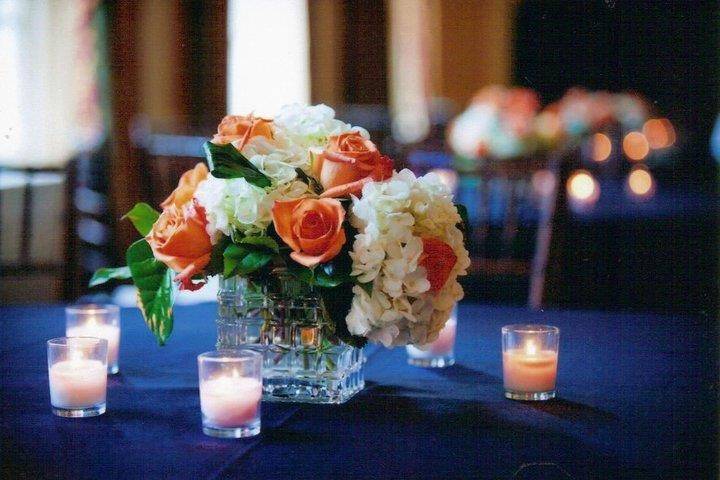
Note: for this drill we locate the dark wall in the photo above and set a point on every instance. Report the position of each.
(665, 50)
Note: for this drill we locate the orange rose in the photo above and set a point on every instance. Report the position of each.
(186, 187)
(349, 162)
(239, 129)
(179, 240)
(313, 228)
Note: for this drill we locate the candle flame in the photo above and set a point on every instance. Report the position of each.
(76, 354)
(531, 348)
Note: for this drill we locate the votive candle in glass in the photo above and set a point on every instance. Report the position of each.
(230, 392)
(530, 359)
(77, 371)
(96, 320)
(441, 352)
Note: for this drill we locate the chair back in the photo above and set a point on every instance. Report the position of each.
(90, 241)
(165, 157)
(33, 204)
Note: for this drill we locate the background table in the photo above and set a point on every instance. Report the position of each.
(637, 400)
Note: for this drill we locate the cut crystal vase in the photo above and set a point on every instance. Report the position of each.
(282, 319)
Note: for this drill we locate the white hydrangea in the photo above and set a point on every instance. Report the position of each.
(392, 217)
(233, 205)
(309, 126)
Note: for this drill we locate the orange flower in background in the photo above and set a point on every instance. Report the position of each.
(348, 162)
(239, 129)
(179, 240)
(439, 259)
(313, 228)
(186, 187)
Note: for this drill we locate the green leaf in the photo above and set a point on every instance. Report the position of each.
(464, 225)
(309, 181)
(217, 261)
(241, 260)
(226, 161)
(265, 242)
(143, 216)
(301, 272)
(155, 291)
(367, 286)
(103, 275)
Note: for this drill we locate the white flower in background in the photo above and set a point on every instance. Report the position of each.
(392, 218)
(470, 128)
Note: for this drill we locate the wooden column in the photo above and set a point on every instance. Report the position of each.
(124, 167)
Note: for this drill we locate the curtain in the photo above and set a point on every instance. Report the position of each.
(49, 100)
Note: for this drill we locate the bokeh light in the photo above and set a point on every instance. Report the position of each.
(659, 132)
(635, 146)
(582, 188)
(640, 182)
(601, 147)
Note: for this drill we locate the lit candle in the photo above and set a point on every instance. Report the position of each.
(99, 321)
(445, 342)
(110, 333)
(230, 392)
(530, 358)
(230, 401)
(441, 352)
(77, 374)
(76, 384)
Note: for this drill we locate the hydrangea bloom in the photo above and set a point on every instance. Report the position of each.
(392, 217)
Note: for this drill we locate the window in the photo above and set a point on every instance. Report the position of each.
(268, 58)
(48, 97)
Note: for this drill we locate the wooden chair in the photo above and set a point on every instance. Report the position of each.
(165, 157)
(515, 208)
(90, 224)
(33, 202)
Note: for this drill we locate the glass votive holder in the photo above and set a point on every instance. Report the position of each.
(530, 359)
(77, 371)
(437, 354)
(99, 321)
(230, 392)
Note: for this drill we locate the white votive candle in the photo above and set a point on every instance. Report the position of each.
(230, 392)
(77, 375)
(230, 402)
(99, 321)
(445, 343)
(439, 353)
(530, 361)
(76, 384)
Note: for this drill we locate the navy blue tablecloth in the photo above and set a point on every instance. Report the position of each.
(637, 400)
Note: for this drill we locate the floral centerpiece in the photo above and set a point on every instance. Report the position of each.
(498, 124)
(321, 246)
(580, 112)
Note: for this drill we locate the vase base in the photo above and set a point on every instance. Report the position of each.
(440, 361)
(312, 389)
(530, 396)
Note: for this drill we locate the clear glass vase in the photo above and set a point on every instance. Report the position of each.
(282, 319)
